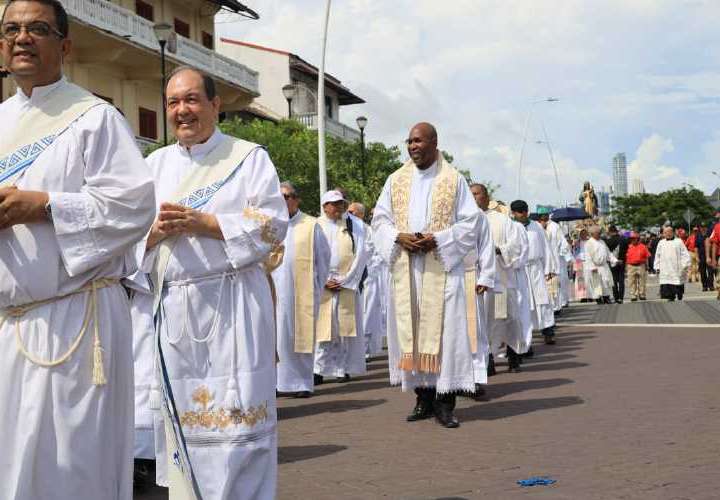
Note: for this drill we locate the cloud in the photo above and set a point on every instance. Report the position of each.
(629, 76)
(649, 165)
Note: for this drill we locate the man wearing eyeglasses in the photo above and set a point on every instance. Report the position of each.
(75, 198)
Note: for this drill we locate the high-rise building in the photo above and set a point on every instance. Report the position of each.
(620, 181)
(603, 197)
(638, 186)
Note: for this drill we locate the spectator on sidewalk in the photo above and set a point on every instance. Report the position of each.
(706, 277)
(618, 246)
(672, 262)
(691, 245)
(637, 259)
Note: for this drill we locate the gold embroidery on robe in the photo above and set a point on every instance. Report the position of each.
(267, 231)
(220, 418)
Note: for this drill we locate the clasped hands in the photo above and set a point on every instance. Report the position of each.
(18, 206)
(175, 219)
(417, 242)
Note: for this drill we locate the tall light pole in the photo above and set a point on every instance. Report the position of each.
(524, 139)
(362, 123)
(162, 33)
(321, 105)
(289, 91)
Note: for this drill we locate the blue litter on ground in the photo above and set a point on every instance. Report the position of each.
(537, 481)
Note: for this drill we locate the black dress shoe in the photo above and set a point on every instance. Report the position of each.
(303, 394)
(422, 411)
(342, 380)
(317, 379)
(549, 340)
(445, 416)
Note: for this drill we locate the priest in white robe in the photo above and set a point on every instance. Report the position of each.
(373, 322)
(306, 260)
(340, 343)
(479, 281)
(672, 261)
(75, 199)
(598, 259)
(555, 239)
(425, 224)
(541, 268)
(221, 215)
(507, 307)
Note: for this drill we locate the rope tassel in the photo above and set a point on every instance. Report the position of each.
(232, 396)
(98, 366)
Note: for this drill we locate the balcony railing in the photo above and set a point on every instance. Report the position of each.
(109, 17)
(332, 127)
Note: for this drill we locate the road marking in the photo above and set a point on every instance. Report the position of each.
(639, 325)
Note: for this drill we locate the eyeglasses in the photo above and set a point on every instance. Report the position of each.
(37, 30)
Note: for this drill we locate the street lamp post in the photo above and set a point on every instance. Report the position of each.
(162, 33)
(289, 92)
(362, 123)
(524, 139)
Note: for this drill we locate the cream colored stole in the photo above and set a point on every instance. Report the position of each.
(420, 337)
(346, 297)
(498, 236)
(197, 187)
(304, 280)
(471, 299)
(38, 127)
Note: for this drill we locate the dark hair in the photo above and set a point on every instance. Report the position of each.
(61, 17)
(482, 187)
(519, 206)
(208, 83)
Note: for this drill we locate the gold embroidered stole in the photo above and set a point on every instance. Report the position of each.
(304, 280)
(471, 299)
(346, 297)
(214, 169)
(38, 127)
(419, 335)
(498, 236)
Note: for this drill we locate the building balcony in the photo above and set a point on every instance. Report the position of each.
(123, 23)
(332, 127)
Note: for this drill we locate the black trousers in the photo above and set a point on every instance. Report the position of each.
(706, 274)
(618, 274)
(672, 291)
(430, 396)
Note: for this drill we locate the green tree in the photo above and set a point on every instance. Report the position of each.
(646, 210)
(293, 149)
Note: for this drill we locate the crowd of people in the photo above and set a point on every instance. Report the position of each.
(207, 292)
(601, 266)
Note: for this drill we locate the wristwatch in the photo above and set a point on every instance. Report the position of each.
(48, 212)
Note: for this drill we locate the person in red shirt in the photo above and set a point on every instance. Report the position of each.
(691, 245)
(636, 267)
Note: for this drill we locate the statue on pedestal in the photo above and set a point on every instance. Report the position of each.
(589, 200)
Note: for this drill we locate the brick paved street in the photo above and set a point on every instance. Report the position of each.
(611, 413)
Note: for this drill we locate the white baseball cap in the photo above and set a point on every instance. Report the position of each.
(331, 197)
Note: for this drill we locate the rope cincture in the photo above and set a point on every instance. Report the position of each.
(98, 368)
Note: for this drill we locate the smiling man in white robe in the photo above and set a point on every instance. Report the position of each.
(221, 214)
(340, 347)
(540, 270)
(75, 198)
(306, 260)
(425, 223)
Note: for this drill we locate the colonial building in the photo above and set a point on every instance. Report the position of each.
(279, 68)
(116, 55)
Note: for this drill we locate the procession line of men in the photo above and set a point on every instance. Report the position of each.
(234, 292)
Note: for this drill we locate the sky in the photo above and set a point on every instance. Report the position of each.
(635, 76)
